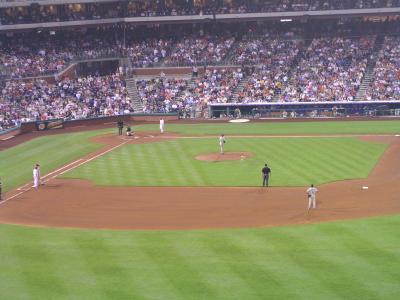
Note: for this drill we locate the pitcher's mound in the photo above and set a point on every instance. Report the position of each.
(222, 157)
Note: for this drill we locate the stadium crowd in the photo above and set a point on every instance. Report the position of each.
(385, 83)
(84, 97)
(214, 86)
(254, 65)
(35, 55)
(331, 70)
(150, 8)
(200, 49)
(149, 52)
(161, 94)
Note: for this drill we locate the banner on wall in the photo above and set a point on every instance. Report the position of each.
(49, 124)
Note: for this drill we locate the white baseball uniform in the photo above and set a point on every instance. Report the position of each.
(162, 125)
(312, 200)
(36, 177)
(221, 144)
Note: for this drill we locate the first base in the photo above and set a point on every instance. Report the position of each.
(365, 188)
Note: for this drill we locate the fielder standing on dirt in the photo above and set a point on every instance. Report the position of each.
(266, 171)
(221, 143)
(312, 197)
(36, 176)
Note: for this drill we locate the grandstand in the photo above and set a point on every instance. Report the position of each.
(267, 58)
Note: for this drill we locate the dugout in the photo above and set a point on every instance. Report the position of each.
(305, 110)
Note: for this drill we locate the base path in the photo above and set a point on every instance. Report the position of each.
(77, 203)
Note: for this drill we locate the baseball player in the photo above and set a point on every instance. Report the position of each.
(120, 125)
(221, 143)
(311, 194)
(129, 131)
(162, 125)
(36, 176)
(266, 171)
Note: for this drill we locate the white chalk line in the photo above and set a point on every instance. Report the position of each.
(92, 158)
(280, 136)
(71, 166)
(55, 171)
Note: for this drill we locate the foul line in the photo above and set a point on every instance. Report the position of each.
(67, 169)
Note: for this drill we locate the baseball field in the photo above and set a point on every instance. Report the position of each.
(165, 216)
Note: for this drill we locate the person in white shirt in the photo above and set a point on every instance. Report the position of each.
(162, 125)
(312, 199)
(221, 143)
(36, 176)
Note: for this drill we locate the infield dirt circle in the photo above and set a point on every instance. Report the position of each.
(78, 203)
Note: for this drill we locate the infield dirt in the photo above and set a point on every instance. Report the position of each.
(77, 203)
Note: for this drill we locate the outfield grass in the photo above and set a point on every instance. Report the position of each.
(51, 152)
(294, 162)
(275, 128)
(348, 260)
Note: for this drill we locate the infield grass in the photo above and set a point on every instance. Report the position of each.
(55, 151)
(294, 162)
(340, 260)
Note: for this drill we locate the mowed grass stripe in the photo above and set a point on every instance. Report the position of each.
(130, 256)
(37, 269)
(111, 288)
(12, 267)
(180, 271)
(265, 250)
(327, 163)
(372, 257)
(213, 269)
(294, 162)
(339, 260)
(173, 162)
(184, 161)
(243, 265)
(337, 280)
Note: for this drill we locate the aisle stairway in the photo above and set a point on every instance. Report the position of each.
(133, 92)
(369, 73)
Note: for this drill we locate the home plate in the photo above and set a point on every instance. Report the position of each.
(365, 188)
(397, 135)
(136, 137)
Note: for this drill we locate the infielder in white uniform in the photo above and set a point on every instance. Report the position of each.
(312, 194)
(221, 143)
(162, 125)
(36, 176)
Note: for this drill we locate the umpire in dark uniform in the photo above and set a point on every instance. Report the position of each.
(266, 171)
(120, 125)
